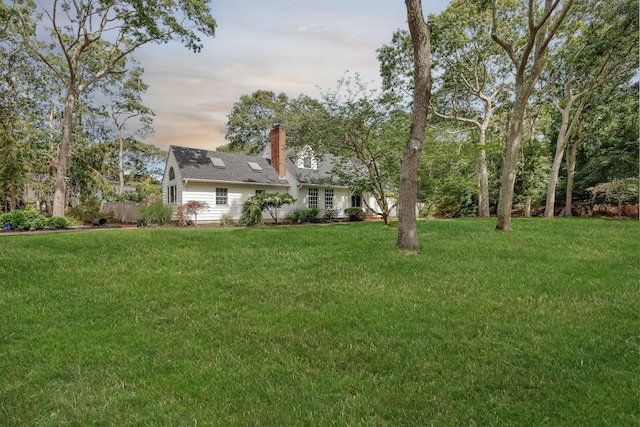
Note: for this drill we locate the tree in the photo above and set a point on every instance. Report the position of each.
(421, 39)
(526, 48)
(272, 202)
(25, 96)
(473, 75)
(361, 129)
(128, 106)
(617, 191)
(608, 135)
(251, 119)
(604, 49)
(91, 40)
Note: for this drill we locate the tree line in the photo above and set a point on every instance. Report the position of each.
(72, 120)
(490, 105)
(529, 101)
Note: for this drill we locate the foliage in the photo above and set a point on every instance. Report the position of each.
(323, 326)
(156, 214)
(193, 208)
(617, 191)
(253, 116)
(24, 219)
(29, 219)
(297, 216)
(86, 211)
(272, 202)
(83, 58)
(364, 131)
(355, 213)
(56, 223)
(226, 219)
(330, 215)
(181, 217)
(312, 214)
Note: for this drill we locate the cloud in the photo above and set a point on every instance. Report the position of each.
(285, 46)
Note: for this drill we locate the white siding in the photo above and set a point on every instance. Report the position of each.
(236, 196)
(341, 199)
(171, 162)
(374, 204)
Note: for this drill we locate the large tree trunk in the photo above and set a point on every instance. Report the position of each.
(64, 154)
(561, 144)
(120, 162)
(421, 38)
(527, 74)
(483, 194)
(508, 176)
(571, 172)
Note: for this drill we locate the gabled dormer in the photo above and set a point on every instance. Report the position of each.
(306, 159)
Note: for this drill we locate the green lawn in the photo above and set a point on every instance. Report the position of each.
(323, 325)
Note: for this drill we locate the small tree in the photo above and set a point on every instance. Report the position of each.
(617, 191)
(253, 207)
(193, 207)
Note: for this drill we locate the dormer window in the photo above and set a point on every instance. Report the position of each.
(172, 174)
(218, 163)
(306, 159)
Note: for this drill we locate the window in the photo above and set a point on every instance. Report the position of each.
(306, 162)
(356, 201)
(312, 201)
(260, 192)
(255, 167)
(218, 163)
(172, 196)
(221, 196)
(328, 198)
(172, 174)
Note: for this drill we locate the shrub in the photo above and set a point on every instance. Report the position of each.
(330, 215)
(56, 223)
(24, 219)
(312, 214)
(193, 207)
(253, 207)
(157, 214)
(355, 214)
(226, 219)
(86, 211)
(297, 216)
(251, 214)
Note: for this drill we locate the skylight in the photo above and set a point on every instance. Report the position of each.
(255, 167)
(218, 163)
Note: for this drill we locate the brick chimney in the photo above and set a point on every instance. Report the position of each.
(279, 150)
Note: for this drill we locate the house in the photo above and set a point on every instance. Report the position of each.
(224, 181)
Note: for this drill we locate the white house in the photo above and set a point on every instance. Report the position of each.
(226, 180)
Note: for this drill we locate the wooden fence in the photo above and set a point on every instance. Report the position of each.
(125, 212)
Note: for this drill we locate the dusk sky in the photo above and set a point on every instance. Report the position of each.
(291, 46)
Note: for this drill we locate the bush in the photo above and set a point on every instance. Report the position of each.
(24, 219)
(298, 216)
(87, 211)
(253, 207)
(226, 219)
(330, 215)
(157, 214)
(355, 214)
(56, 223)
(193, 207)
(251, 214)
(312, 214)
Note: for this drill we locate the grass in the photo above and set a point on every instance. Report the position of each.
(323, 326)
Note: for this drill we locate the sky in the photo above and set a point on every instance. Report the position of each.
(291, 46)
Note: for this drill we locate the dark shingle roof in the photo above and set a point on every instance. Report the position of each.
(320, 176)
(196, 163)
